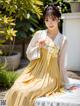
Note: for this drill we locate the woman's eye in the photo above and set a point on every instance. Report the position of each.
(53, 19)
(46, 20)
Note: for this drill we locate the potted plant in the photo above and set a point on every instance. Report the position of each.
(75, 5)
(7, 33)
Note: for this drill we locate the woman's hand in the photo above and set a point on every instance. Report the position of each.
(41, 43)
(46, 42)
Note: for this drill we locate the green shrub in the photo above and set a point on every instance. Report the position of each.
(7, 78)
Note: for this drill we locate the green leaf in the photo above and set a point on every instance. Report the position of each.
(2, 41)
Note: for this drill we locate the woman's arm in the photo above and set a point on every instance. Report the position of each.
(33, 51)
(62, 57)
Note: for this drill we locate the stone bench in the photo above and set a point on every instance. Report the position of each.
(69, 98)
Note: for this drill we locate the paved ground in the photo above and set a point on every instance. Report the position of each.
(71, 74)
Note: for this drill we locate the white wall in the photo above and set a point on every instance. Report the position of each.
(71, 28)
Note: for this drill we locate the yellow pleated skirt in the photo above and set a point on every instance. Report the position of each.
(40, 78)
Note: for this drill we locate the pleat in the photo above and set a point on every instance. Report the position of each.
(40, 78)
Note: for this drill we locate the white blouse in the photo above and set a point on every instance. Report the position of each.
(33, 51)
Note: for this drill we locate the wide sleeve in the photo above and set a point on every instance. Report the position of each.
(33, 51)
(62, 58)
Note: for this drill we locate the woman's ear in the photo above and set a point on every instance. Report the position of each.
(58, 20)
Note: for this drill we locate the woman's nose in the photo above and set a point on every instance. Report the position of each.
(50, 22)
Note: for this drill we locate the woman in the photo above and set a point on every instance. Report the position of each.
(44, 75)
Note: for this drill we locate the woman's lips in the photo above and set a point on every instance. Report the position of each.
(51, 26)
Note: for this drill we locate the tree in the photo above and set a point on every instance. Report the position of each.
(20, 8)
(25, 13)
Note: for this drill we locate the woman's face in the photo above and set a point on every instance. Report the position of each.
(51, 22)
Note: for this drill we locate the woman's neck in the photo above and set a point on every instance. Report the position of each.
(52, 33)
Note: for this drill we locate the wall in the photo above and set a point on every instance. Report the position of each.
(71, 29)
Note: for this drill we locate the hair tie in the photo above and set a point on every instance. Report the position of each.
(59, 8)
(46, 6)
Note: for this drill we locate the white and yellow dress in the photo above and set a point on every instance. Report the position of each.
(43, 76)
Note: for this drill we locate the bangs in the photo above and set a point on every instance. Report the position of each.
(50, 13)
(50, 16)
